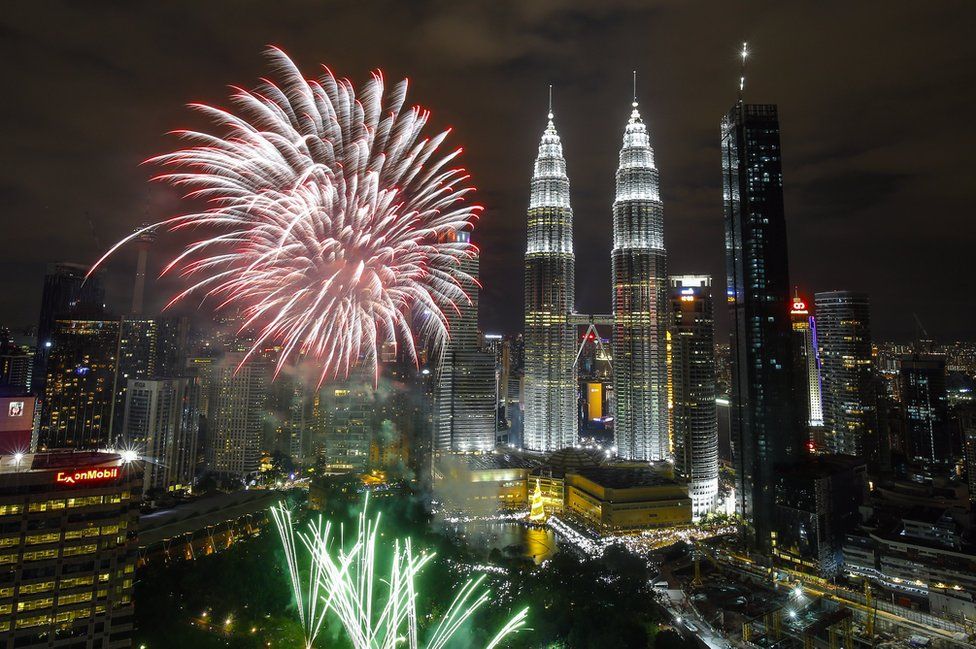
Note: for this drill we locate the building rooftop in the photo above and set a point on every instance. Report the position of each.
(203, 512)
(488, 461)
(930, 515)
(822, 466)
(616, 477)
(36, 462)
(570, 460)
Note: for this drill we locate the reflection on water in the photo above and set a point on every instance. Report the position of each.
(511, 539)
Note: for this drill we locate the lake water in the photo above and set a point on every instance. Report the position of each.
(511, 539)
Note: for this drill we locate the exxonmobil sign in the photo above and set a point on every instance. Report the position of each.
(80, 476)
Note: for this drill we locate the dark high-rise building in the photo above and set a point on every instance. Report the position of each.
(16, 364)
(817, 503)
(765, 428)
(844, 334)
(966, 421)
(640, 302)
(923, 395)
(550, 340)
(66, 293)
(67, 524)
(694, 414)
(79, 388)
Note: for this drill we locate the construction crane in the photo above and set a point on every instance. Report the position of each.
(872, 616)
(921, 335)
(699, 552)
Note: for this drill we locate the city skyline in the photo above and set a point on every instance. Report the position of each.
(637, 325)
(853, 174)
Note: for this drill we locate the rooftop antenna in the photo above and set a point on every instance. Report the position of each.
(635, 89)
(742, 70)
(550, 101)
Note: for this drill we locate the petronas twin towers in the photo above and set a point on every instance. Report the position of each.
(640, 303)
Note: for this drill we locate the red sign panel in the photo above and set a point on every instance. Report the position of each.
(82, 476)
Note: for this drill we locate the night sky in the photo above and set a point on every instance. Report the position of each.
(876, 106)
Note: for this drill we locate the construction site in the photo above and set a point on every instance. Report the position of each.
(723, 599)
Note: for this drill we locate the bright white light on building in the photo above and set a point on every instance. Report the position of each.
(129, 455)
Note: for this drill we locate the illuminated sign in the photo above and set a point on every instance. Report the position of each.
(15, 409)
(687, 291)
(87, 475)
(594, 400)
(799, 308)
(82, 370)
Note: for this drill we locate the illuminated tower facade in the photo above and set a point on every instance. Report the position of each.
(806, 361)
(844, 321)
(694, 412)
(464, 410)
(78, 391)
(640, 301)
(550, 375)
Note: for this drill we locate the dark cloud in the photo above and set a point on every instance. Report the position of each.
(875, 100)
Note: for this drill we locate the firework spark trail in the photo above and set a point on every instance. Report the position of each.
(310, 611)
(331, 221)
(348, 584)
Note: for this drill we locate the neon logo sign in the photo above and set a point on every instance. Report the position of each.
(86, 475)
(799, 307)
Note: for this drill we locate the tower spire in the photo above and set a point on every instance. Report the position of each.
(550, 101)
(742, 69)
(634, 114)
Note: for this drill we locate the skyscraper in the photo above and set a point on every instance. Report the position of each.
(465, 402)
(15, 365)
(67, 546)
(765, 429)
(694, 413)
(923, 394)
(465, 396)
(149, 348)
(237, 414)
(78, 398)
(348, 408)
(65, 293)
(806, 361)
(640, 301)
(162, 420)
(550, 340)
(844, 334)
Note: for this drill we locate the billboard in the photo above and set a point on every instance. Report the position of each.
(594, 400)
(16, 424)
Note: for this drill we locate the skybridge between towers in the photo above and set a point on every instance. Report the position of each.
(590, 321)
